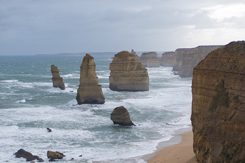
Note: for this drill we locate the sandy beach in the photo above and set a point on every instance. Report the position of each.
(178, 153)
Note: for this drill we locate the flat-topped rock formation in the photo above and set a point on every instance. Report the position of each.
(150, 59)
(168, 59)
(57, 80)
(89, 91)
(121, 116)
(218, 106)
(128, 73)
(188, 58)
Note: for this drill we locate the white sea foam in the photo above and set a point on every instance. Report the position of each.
(20, 84)
(57, 90)
(88, 130)
(21, 101)
(71, 76)
(8, 81)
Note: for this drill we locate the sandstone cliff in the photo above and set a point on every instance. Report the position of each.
(128, 73)
(218, 106)
(150, 59)
(89, 91)
(188, 58)
(168, 59)
(57, 80)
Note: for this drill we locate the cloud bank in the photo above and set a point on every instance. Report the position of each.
(53, 26)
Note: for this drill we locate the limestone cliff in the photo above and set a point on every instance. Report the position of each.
(128, 73)
(150, 59)
(218, 106)
(168, 59)
(89, 91)
(188, 58)
(57, 80)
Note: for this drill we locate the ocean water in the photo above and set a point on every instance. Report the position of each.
(29, 104)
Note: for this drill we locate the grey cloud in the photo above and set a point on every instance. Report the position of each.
(50, 26)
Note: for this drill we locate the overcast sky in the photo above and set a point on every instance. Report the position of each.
(54, 26)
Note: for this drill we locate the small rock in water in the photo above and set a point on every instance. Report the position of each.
(54, 155)
(121, 116)
(80, 155)
(49, 130)
(27, 155)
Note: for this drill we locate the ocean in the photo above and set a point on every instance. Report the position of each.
(29, 104)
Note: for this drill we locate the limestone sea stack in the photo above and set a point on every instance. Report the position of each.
(89, 91)
(218, 106)
(128, 73)
(188, 58)
(150, 59)
(168, 59)
(121, 116)
(57, 80)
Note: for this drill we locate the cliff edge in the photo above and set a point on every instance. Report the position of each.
(218, 106)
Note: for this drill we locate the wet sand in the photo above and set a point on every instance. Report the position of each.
(178, 153)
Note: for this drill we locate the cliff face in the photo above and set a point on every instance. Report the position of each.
(57, 80)
(168, 59)
(128, 73)
(89, 91)
(218, 106)
(150, 59)
(188, 58)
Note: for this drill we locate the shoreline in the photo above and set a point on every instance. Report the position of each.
(161, 146)
(177, 149)
(174, 143)
(175, 139)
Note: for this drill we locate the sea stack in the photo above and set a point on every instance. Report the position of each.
(218, 106)
(57, 80)
(150, 59)
(168, 59)
(128, 73)
(89, 91)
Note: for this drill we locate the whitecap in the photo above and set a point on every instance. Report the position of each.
(21, 101)
(9, 81)
(88, 130)
(71, 76)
